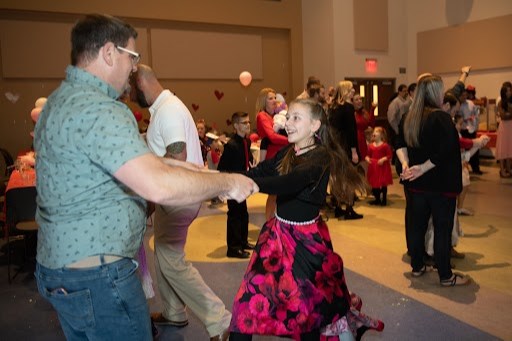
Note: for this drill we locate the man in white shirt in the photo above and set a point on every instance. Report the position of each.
(471, 116)
(172, 133)
(398, 107)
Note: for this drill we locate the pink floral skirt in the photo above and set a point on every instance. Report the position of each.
(294, 283)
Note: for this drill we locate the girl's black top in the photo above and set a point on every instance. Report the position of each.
(300, 193)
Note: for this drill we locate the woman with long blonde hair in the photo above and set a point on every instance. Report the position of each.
(266, 105)
(343, 122)
(432, 174)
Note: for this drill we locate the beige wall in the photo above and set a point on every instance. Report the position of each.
(318, 37)
(278, 23)
(329, 40)
(424, 16)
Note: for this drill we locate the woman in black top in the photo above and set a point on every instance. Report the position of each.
(343, 123)
(431, 166)
(294, 285)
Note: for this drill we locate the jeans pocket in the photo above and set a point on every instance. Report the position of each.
(75, 308)
(128, 287)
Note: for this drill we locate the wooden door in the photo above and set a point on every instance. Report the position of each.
(377, 90)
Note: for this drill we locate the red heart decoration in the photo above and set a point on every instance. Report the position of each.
(195, 106)
(283, 93)
(218, 94)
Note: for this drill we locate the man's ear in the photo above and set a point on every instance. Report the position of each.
(107, 53)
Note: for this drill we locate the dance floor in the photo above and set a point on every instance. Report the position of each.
(373, 250)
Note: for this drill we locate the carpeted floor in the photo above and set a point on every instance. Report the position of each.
(375, 265)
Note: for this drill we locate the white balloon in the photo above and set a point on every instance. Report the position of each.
(40, 102)
(245, 78)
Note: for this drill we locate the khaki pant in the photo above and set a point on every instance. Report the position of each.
(180, 284)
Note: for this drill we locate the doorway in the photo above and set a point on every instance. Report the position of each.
(378, 90)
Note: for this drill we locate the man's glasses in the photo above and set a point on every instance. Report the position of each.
(245, 122)
(133, 55)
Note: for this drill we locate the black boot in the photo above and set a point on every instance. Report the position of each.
(351, 214)
(384, 191)
(376, 194)
(339, 212)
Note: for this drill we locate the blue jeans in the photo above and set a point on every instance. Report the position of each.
(99, 303)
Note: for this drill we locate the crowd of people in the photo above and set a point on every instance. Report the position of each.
(99, 179)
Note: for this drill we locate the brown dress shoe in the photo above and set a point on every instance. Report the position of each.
(160, 320)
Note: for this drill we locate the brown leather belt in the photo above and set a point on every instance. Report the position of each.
(93, 261)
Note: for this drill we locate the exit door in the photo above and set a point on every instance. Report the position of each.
(377, 90)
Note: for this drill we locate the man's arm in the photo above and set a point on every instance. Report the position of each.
(177, 150)
(155, 181)
(460, 85)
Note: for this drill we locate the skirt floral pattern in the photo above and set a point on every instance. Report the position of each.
(294, 282)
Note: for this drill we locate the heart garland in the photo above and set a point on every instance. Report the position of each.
(195, 106)
(13, 98)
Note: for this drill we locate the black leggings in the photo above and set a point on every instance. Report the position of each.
(310, 336)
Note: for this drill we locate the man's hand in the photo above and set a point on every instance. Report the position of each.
(241, 187)
(481, 141)
(465, 69)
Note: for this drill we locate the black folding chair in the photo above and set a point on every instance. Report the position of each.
(20, 223)
(6, 168)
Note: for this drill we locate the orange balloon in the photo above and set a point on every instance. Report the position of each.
(35, 114)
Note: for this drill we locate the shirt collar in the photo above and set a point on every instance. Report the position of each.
(79, 75)
(159, 101)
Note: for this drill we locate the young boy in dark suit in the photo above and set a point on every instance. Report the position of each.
(237, 158)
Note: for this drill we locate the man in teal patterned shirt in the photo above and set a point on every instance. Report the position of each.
(95, 174)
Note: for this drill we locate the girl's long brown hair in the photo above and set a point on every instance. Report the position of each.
(344, 178)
